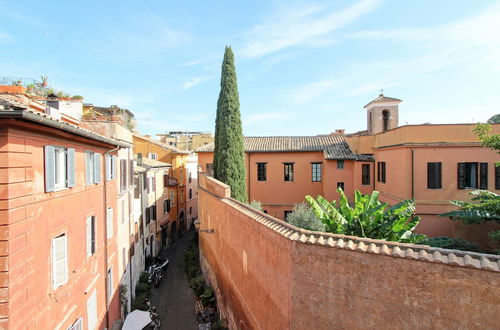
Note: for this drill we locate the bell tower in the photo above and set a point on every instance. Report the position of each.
(382, 114)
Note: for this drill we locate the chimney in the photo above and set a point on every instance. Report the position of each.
(339, 132)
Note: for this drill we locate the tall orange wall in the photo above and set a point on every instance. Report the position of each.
(30, 218)
(270, 275)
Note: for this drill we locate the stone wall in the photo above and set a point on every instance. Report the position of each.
(270, 275)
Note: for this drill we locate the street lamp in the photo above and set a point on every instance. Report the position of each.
(197, 224)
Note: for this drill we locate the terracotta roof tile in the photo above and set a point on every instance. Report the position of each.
(383, 99)
(333, 146)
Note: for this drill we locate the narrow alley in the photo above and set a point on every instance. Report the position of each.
(174, 298)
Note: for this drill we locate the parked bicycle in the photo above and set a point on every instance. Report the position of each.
(155, 319)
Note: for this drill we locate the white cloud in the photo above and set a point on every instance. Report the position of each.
(299, 26)
(195, 81)
(308, 92)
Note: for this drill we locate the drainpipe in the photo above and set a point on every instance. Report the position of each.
(129, 229)
(412, 173)
(106, 237)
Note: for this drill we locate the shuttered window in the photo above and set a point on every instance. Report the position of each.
(110, 167)
(316, 172)
(92, 168)
(365, 174)
(340, 164)
(110, 284)
(381, 172)
(434, 175)
(92, 311)
(78, 325)
(497, 177)
(59, 168)
(261, 171)
(288, 171)
(109, 222)
(59, 261)
(166, 206)
(123, 175)
(472, 175)
(91, 236)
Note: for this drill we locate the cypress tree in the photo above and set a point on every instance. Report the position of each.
(229, 153)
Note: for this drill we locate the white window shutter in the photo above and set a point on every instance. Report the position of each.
(97, 168)
(49, 168)
(92, 311)
(109, 222)
(88, 164)
(59, 261)
(108, 167)
(70, 168)
(89, 236)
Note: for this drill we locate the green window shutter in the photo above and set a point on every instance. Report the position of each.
(97, 168)
(71, 167)
(483, 176)
(497, 177)
(461, 175)
(49, 168)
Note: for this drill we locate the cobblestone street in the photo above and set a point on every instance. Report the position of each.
(174, 298)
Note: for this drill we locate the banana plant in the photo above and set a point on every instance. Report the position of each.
(367, 217)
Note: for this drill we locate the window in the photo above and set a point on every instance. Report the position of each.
(261, 171)
(172, 195)
(265, 211)
(123, 175)
(78, 325)
(189, 177)
(365, 174)
(340, 164)
(288, 169)
(340, 185)
(152, 155)
(165, 180)
(210, 169)
(286, 213)
(91, 236)
(190, 210)
(166, 206)
(152, 212)
(316, 172)
(92, 311)
(110, 284)
(472, 175)
(124, 213)
(190, 193)
(131, 171)
(110, 167)
(145, 181)
(381, 172)
(109, 222)
(59, 168)
(434, 175)
(92, 168)
(59, 261)
(385, 120)
(497, 177)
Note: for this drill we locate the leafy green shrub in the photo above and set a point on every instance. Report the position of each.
(219, 325)
(452, 243)
(207, 297)
(368, 217)
(142, 292)
(197, 284)
(303, 216)
(256, 205)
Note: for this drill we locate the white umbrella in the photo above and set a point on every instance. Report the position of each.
(136, 320)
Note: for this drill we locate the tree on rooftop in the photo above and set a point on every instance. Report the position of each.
(229, 154)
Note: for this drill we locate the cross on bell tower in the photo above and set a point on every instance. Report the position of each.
(382, 113)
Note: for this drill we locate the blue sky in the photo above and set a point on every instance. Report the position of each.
(304, 67)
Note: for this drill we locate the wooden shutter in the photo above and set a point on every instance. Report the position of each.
(109, 222)
(92, 311)
(108, 167)
(89, 235)
(97, 168)
(154, 212)
(88, 164)
(93, 235)
(378, 171)
(483, 176)
(70, 167)
(49, 168)
(131, 172)
(461, 176)
(59, 261)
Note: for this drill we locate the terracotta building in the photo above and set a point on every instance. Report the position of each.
(58, 221)
(432, 164)
(175, 181)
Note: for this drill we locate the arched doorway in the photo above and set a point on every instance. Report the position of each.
(385, 120)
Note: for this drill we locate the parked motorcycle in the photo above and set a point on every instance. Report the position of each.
(157, 270)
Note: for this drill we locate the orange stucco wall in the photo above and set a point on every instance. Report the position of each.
(269, 275)
(31, 218)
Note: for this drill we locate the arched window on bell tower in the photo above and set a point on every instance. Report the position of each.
(385, 120)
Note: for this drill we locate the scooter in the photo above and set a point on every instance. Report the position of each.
(157, 270)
